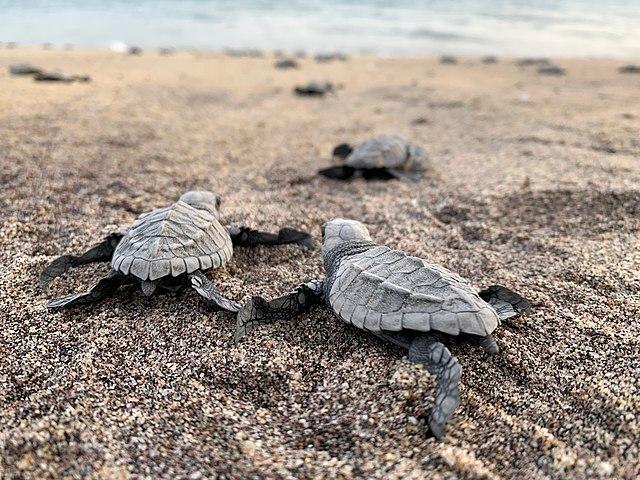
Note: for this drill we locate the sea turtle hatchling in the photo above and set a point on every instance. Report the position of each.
(168, 247)
(401, 299)
(385, 156)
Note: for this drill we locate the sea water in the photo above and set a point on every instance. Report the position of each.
(598, 28)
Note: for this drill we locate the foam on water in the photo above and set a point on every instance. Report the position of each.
(506, 27)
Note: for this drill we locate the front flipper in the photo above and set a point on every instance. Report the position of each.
(342, 151)
(258, 311)
(505, 302)
(101, 290)
(437, 359)
(248, 237)
(211, 294)
(101, 252)
(339, 172)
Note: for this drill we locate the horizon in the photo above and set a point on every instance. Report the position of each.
(570, 28)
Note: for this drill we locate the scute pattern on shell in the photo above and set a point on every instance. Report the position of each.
(383, 151)
(171, 241)
(385, 289)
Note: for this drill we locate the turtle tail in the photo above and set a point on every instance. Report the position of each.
(505, 302)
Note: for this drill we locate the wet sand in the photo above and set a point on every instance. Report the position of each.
(535, 185)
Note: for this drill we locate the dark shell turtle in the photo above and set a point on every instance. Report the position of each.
(314, 89)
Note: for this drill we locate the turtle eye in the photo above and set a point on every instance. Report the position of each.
(218, 202)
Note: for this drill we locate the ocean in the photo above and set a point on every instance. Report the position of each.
(582, 28)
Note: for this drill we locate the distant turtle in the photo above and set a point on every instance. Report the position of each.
(631, 68)
(384, 156)
(529, 61)
(551, 70)
(448, 60)
(24, 69)
(330, 57)
(314, 89)
(286, 63)
(59, 76)
(401, 299)
(166, 248)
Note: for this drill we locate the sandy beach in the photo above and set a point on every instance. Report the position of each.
(535, 184)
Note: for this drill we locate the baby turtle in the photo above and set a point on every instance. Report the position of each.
(551, 70)
(401, 299)
(24, 69)
(330, 57)
(59, 76)
(286, 63)
(382, 157)
(314, 89)
(167, 248)
(631, 68)
(448, 60)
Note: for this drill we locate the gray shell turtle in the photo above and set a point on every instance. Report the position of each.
(168, 248)
(401, 299)
(384, 157)
(382, 289)
(171, 241)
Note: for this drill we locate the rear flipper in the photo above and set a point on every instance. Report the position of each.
(488, 343)
(436, 358)
(248, 237)
(414, 176)
(101, 252)
(258, 311)
(101, 290)
(505, 302)
(211, 294)
(339, 172)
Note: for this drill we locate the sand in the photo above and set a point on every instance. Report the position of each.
(534, 185)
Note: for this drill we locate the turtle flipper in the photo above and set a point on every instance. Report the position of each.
(103, 289)
(436, 358)
(248, 237)
(339, 172)
(342, 151)
(413, 176)
(378, 174)
(101, 252)
(505, 302)
(212, 295)
(257, 311)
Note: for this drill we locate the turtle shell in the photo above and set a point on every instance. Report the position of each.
(171, 241)
(383, 151)
(385, 289)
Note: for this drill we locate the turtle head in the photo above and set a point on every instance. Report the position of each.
(202, 199)
(340, 230)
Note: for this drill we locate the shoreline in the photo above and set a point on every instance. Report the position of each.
(257, 53)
